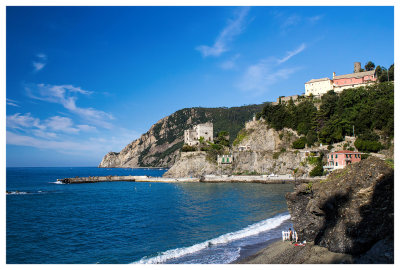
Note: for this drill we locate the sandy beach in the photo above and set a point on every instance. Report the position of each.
(280, 252)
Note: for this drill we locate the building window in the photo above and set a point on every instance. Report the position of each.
(336, 163)
(336, 155)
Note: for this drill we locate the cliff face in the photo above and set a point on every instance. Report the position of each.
(159, 147)
(268, 151)
(191, 164)
(351, 212)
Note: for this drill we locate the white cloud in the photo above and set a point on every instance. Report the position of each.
(266, 72)
(19, 121)
(290, 21)
(66, 95)
(59, 123)
(43, 134)
(86, 128)
(38, 66)
(41, 56)
(290, 54)
(234, 28)
(230, 63)
(40, 63)
(49, 128)
(12, 102)
(24, 140)
(95, 146)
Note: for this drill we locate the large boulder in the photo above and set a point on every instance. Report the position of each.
(350, 212)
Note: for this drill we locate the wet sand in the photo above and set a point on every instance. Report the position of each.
(280, 252)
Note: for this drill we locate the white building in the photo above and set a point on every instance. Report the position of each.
(193, 135)
(318, 87)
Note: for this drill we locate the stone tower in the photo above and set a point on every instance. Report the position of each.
(357, 67)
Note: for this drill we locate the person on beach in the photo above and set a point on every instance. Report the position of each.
(290, 235)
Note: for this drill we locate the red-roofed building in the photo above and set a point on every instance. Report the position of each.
(339, 159)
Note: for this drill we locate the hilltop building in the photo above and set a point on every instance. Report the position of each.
(340, 159)
(353, 80)
(318, 87)
(192, 136)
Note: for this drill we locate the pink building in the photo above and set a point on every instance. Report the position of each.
(339, 159)
(354, 79)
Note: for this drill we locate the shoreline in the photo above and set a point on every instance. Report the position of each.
(284, 252)
(264, 179)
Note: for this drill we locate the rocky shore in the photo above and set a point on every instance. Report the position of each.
(286, 253)
(347, 218)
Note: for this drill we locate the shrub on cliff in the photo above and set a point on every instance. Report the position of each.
(317, 171)
(188, 148)
(368, 146)
(300, 143)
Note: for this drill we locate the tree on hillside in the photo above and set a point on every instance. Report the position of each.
(383, 74)
(369, 66)
(391, 73)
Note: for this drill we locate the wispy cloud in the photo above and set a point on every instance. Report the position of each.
(234, 28)
(290, 54)
(67, 95)
(40, 62)
(18, 121)
(12, 102)
(314, 19)
(49, 128)
(41, 56)
(260, 76)
(289, 21)
(38, 66)
(87, 146)
(59, 123)
(230, 63)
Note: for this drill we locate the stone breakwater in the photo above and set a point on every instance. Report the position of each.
(264, 179)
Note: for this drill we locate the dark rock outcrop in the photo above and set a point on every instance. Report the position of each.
(350, 212)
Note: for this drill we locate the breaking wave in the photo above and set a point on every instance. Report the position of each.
(250, 230)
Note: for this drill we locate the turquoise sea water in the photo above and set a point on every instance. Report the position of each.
(128, 222)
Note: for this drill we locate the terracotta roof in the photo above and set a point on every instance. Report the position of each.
(345, 152)
(355, 75)
(318, 80)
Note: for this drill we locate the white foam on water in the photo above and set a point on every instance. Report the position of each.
(57, 182)
(17, 193)
(250, 230)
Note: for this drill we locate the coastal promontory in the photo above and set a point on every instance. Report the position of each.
(351, 212)
(161, 144)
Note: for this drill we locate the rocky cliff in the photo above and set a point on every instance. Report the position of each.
(266, 151)
(352, 211)
(159, 147)
(192, 164)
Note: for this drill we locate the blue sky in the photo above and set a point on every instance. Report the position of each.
(83, 81)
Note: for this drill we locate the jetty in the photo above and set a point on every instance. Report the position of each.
(264, 179)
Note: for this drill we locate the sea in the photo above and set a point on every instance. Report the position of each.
(131, 222)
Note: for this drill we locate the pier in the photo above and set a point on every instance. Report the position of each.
(264, 179)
